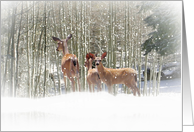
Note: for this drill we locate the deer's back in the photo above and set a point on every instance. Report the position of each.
(119, 76)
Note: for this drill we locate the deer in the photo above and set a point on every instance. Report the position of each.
(109, 76)
(69, 62)
(93, 77)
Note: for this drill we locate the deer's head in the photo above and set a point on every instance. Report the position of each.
(98, 59)
(61, 42)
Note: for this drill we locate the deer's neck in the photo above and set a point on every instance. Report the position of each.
(90, 64)
(101, 70)
(65, 48)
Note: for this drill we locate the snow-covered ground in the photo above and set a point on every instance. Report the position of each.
(95, 111)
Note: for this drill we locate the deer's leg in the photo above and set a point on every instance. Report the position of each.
(77, 75)
(93, 87)
(137, 89)
(90, 87)
(110, 89)
(64, 78)
(79, 83)
(99, 87)
(132, 88)
(70, 74)
(73, 82)
(134, 91)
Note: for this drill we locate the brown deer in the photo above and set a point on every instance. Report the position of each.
(93, 77)
(69, 62)
(109, 76)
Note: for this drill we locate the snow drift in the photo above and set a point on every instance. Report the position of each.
(93, 111)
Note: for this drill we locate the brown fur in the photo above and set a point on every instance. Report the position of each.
(69, 62)
(111, 76)
(93, 76)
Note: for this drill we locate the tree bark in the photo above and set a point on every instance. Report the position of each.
(12, 77)
(17, 49)
(45, 54)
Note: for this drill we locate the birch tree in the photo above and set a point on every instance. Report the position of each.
(128, 31)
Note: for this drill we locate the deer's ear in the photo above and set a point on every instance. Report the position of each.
(68, 37)
(56, 39)
(87, 56)
(92, 56)
(103, 55)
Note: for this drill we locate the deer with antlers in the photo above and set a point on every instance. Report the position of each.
(93, 77)
(109, 76)
(69, 62)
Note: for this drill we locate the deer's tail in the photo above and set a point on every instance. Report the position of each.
(74, 60)
(75, 64)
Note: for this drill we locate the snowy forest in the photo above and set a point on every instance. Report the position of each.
(135, 34)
